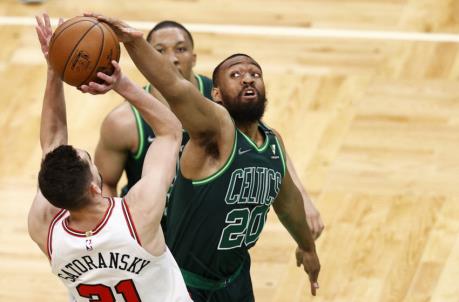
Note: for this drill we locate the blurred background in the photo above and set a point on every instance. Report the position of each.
(366, 96)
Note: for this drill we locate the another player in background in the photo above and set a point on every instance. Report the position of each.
(109, 248)
(125, 136)
(232, 170)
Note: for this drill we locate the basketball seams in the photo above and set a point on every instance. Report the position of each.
(61, 30)
(98, 57)
(80, 52)
(74, 48)
(58, 34)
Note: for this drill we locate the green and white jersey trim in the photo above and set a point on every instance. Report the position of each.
(281, 151)
(138, 122)
(249, 140)
(200, 83)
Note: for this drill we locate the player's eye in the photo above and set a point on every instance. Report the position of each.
(181, 49)
(160, 50)
(235, 74)
(256, 75)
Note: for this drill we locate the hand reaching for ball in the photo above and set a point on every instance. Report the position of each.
(45, 32)
(108, 82)
(123, 31)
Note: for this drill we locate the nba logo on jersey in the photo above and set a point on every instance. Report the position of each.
(273, 149)
(89, 245)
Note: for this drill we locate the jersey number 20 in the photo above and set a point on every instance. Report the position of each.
(244, 227)
(103, 293)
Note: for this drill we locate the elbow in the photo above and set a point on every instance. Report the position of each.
(177, 91)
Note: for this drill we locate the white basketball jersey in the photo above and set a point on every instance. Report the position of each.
(109, 264)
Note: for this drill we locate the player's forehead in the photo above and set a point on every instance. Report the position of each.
(169, 36)
(239, 62)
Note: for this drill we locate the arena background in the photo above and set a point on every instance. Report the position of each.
(366, 95)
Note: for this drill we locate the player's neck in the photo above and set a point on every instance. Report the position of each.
(87, 218)
(252, 131)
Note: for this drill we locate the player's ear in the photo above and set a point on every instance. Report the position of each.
(94, 189)
(216, 95)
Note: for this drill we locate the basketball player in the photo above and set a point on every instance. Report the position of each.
(126, 150)
(231, 171)
(104, 249)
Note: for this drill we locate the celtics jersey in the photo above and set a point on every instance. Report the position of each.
(134, 162)
(213, 222)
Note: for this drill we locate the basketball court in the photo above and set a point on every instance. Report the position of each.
(366, 96)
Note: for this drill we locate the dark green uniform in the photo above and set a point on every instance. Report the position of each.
(134, 162)
(213, 222)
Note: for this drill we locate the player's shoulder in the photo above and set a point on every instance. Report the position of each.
(271, 131)
(119, 119)
(41, 214)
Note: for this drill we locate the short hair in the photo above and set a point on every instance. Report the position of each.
(217, 69)
(64, 178)
(170, 24)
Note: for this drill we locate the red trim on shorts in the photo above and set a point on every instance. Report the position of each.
(130, 222)
(97, 229)
(49, 238)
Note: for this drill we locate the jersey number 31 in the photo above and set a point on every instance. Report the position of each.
(103, 293)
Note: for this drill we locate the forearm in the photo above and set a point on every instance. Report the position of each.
(156, 68)
(53, 127)
(157, 115)
(296, 180)
(294, 220)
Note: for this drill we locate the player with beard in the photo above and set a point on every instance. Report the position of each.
(231, 171)
(126, 150)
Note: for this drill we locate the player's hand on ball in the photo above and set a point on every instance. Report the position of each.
(311, 265)
(123, 31)
(108, 82)
(45, 32)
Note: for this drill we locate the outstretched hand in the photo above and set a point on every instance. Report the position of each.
(123, 31)
(109, 81)
(311, 265)
(45, 32)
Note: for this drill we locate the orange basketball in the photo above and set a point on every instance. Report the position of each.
(80, 48)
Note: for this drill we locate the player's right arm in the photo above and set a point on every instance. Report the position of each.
(147, 198)
(53, 133)
(117, 139)
(203, 120)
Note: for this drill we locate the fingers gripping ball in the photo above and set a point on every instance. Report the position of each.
(80, 48)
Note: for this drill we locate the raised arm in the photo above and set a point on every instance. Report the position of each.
(53, 133)
(147, 197)
(200, 117)
(53, 126)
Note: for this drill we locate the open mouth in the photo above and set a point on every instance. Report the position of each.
(249, 93)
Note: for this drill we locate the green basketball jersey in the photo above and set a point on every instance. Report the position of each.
(134, 161)
(213, 222)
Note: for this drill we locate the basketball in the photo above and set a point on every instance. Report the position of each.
(80, 48)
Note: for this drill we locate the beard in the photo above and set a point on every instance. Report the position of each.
(245, 112)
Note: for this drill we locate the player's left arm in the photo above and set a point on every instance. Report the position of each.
(312, 214)
(289, 208)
